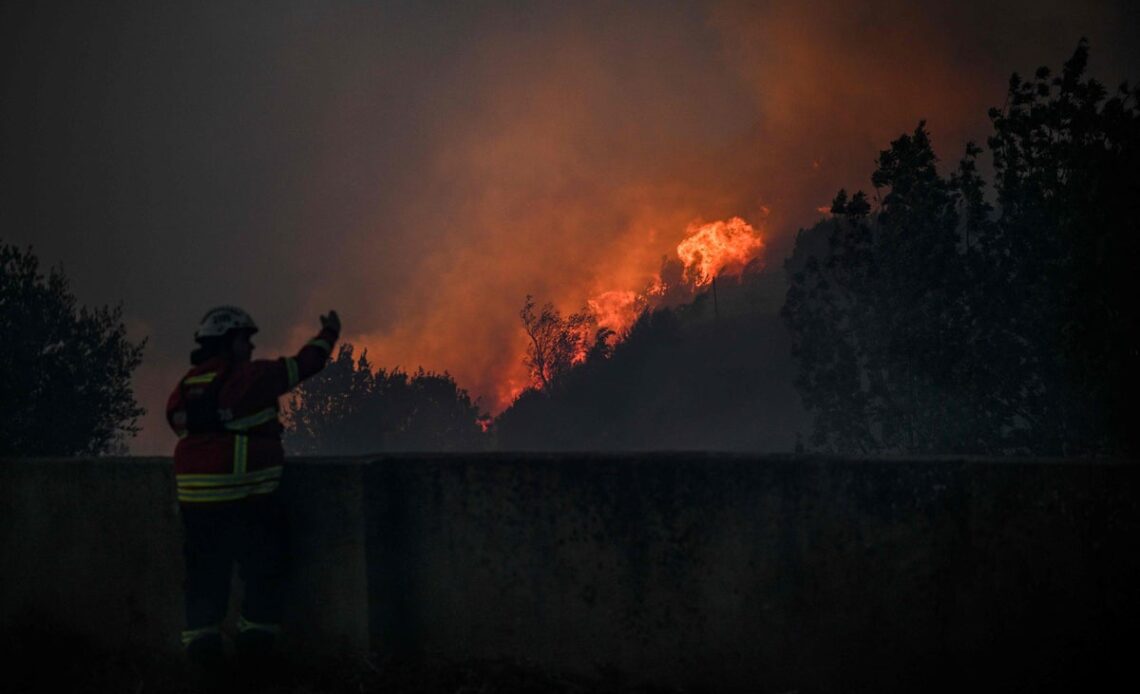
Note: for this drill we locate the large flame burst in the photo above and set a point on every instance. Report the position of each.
(717, 247)
(616, 310)
(708, 250)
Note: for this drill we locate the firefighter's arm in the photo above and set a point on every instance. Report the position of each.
(289, 371)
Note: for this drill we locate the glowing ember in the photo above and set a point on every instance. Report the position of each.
(616, 310)
(717, 248)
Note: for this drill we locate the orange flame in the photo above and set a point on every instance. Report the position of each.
(508, 391)
(657, 287)
(616, 310)
(717, 248)
(707, 251)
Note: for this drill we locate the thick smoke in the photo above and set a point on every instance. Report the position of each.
(422, 169)
(586, 147)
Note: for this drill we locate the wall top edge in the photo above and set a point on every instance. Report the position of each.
(621, 456)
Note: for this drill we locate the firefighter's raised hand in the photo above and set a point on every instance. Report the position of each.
(331, 322)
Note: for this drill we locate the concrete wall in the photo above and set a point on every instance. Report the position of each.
(699, 570)
(92, 548)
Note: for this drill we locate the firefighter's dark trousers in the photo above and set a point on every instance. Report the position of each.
(253, 534)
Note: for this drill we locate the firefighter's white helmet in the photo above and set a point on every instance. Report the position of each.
(222, 319)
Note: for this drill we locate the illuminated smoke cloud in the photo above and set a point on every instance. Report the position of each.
(423, 169)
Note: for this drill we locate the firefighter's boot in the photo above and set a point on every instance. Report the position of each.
(256, 654)
(207, 660)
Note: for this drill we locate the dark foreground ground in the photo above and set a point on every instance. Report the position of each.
(364, 676)
(50, 663)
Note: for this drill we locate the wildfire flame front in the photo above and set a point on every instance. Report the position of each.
(715, 248)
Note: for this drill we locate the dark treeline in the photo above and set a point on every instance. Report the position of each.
(696, 376)
(351, 408)
(65, 369)
(710, 374)
(940, 314)
(935, 316)
(926, 319)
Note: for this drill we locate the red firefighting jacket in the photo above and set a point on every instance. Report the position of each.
(241, 455)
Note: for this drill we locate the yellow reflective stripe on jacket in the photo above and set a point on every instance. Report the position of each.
(191, 635)
(241, 454)
(200, 378)
(266, 415)
(320, 343)
(294, 372)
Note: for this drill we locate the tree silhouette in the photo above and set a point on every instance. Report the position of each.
(64, 370)
(1062, 257)
(352, 409)
(335, 412)
(677, 380)
(928, 324)
(879, 314)
(556, 343)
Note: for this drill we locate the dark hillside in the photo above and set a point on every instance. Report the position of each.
(714, 374)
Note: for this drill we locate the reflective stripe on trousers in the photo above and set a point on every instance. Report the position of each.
(189, 636)
(229, 487)
(244, 625)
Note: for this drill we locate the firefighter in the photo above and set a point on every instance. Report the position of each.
(228, 464)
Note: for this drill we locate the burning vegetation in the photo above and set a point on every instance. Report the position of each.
(916, 319)
(709, 250)
(717, 248)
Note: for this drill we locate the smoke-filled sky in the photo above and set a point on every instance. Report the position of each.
(422, 167)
